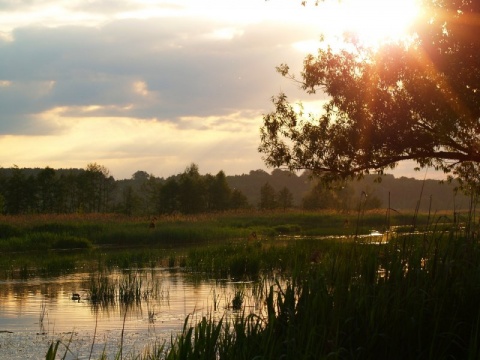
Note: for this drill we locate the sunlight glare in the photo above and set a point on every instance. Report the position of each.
(375, 21)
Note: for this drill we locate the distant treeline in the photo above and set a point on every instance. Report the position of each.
(94, 190)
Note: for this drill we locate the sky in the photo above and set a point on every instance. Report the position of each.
(150, 85)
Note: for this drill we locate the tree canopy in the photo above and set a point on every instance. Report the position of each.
(416, 100)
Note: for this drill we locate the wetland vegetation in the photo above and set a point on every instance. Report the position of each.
(322, 287)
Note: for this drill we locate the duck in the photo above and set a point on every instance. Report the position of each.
(76, 296)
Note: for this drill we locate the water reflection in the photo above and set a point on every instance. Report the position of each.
(146, 305)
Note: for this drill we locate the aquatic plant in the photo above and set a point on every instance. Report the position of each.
(237, 300)
(42, 314)
(101, 289)
(344, 307)
(124, 288)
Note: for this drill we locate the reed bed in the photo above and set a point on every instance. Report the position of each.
(27, 233)
(416, 297)
(124, 288)
(413, 297)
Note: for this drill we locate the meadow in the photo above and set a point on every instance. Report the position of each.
(335, 293)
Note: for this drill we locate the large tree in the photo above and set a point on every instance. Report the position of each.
(417, 100)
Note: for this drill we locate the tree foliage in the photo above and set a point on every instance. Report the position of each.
(267, 197)
(285, 198)
(63, 191)
(417, 100)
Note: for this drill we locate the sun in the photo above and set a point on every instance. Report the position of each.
(371, 22)
(377, 21)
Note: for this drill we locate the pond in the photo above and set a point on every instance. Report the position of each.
(36, 311)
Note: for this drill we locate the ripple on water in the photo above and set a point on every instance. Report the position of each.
(75, 322)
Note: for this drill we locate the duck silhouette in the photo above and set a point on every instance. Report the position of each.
(76, 297)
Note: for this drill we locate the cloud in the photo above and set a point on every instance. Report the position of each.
(183, 68)
(126, 145)
(135, 91)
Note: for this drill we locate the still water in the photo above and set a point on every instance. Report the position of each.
(37, 311)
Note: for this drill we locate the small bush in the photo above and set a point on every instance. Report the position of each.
(7, 231)
(288, 229)
(72, 242)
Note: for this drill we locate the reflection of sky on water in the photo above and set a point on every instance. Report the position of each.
(179, 295)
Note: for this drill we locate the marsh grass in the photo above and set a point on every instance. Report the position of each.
(422, 305)
(239, 260)
(43, 313)
(46, 232)
(102, 289)
(238, 298)
(108, 289)
(414, 297)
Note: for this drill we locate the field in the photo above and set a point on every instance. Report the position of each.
(341, 297)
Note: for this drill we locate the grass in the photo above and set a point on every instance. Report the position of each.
(42, 315)
(414, 297)
(47, 232)
(37, 243)
(423, 304)
(124, 288)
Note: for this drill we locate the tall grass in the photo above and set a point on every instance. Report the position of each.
(416, 297)
(47, 232)
(108, 289)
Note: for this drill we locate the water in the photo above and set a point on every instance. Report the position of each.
(38, 311)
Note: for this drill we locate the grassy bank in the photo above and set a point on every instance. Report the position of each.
(55, 244)
(50, 232)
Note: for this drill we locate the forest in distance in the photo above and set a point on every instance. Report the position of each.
(93, 189)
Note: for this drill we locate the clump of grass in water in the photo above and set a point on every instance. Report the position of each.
(102, 290)
(237, 300)
(42, 315)
(128, 288)
(171, 261)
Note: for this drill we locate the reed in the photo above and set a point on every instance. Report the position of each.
(125, 288)
(414, 297)
(42, 315)
(237, 300)
(102, 289)
(43, 232)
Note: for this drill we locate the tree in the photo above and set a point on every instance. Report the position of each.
(267, 197)
(146, 188)
(403, 101)
(94, 187)
(285, 198)
(238, 200)
(218, 192)
(191, 191)
(319, 197)
(46, 190)
(335, 195)
(16, 197)
(130, 200)
(169, 197)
